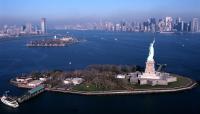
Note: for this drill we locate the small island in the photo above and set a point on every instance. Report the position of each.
(54, 42)
(99, 80)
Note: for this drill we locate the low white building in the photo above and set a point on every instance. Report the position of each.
(74, 81)
(43, 79)
(164, 79)
(134, 79)
(35, 83)
(121, 76)
(77, 81)
(20, 79)
(68, 81)
(23, 79)
(170, 79)
(134, 73)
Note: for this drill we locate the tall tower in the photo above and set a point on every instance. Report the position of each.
(28, 27)
(43, 26)
(195, 25)
(168, 24)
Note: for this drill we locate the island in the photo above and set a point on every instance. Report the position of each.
(53, 42)
(99, 80)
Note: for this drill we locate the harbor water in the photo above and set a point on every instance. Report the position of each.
(181, 53)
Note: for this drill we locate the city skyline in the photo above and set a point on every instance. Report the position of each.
(76, 11)
(164, 25)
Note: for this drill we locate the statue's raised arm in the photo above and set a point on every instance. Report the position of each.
(151, 51)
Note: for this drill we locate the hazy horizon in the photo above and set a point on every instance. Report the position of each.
(79, 11)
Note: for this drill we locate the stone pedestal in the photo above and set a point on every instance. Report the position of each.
(150, 71)
(150, 68)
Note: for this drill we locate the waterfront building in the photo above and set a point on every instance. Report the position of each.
(23, 28)
(179, 19)
(152, 23)
(23, 80)
(28, 28)
(43, 26)
(189, 27)
(123, 26)
(35, 83)
(161, 25)
(121, 76)
(77, 81)
(168, 24)
(117, 27)
(195, 25)
(146, 26)
(109, 26)
(5, 27)
(137, 27)
(74, 81)
(182, 26)
(178, 27)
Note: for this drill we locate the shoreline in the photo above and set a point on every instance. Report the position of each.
(106, 83)
(127, 92)
(190, 86)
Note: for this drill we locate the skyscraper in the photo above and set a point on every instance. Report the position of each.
(43, 26)
(28, 27)
(195, 25)
(161, 25)
(182, 26)
(168, 24)
(152, 24)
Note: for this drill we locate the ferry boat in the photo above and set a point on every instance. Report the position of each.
(9, 101)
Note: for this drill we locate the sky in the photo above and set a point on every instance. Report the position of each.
(69, 11)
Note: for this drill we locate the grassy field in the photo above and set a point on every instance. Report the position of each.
(88, 87)
(181, 82)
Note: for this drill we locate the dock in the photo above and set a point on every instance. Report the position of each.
(31, 93)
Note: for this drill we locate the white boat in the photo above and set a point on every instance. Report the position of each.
(9, 101)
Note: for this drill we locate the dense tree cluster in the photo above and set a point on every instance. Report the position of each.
(99, 77)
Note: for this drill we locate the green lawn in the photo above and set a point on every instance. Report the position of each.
(181, 82)
(88, 87)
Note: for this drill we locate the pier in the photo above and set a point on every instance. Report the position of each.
(31, 93)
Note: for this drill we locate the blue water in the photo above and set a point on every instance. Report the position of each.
(181, 53)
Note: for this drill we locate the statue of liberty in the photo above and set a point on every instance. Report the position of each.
(151, 51)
